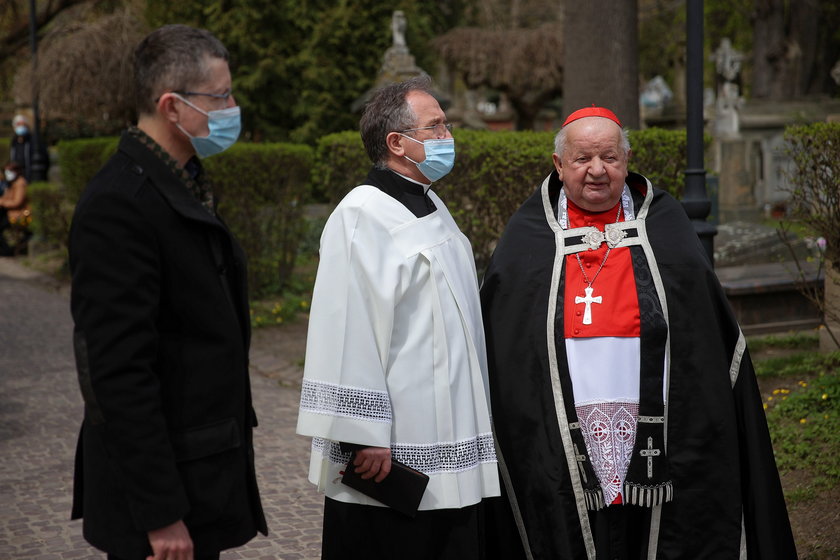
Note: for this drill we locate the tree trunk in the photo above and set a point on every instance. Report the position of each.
(785, 49)
(601, 58)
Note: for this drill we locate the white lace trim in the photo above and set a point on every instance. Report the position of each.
(609, 430)
(332, 399)
(431, 458)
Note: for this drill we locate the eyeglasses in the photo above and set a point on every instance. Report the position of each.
(224, 96)
(439, 129)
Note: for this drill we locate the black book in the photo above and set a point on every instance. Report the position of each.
(401, 490)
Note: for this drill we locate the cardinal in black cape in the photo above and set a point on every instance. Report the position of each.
(626, 412)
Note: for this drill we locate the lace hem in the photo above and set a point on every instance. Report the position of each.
(432, 458)
(332, 399)
(609, 430)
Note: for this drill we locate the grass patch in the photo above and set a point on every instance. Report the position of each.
(805, 425)
(294, 300)
(803, 364)
(793, 341)
(801, 495)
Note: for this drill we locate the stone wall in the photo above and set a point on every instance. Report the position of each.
(752, 165)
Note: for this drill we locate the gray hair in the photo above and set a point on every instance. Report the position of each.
(560, 142)
(388, 111)
(172, 58)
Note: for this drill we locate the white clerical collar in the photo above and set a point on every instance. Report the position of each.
(563, 207)
(426, 186)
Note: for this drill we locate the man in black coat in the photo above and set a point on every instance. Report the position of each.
(165, 463)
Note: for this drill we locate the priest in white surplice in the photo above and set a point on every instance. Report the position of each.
(395, 358)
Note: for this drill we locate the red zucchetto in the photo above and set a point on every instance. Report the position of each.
(592, 112)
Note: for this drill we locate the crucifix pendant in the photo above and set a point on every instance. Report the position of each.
(588, 300)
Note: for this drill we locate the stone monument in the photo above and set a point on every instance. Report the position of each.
(398, 63)
(729, 101)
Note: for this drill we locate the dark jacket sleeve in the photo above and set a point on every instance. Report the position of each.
(114, 302)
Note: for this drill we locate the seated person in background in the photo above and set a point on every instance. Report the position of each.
(14, 209)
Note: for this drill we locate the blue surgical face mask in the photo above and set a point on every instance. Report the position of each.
(21, 129)
(224, 126)
(440, 157)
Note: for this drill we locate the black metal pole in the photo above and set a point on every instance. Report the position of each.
(38, 172)
(695, 199)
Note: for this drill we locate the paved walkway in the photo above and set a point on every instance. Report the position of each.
(41, 411)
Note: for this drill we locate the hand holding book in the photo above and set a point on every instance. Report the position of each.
(401, 489)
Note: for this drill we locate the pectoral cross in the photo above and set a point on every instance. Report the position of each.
(588, 300)
(650, 453)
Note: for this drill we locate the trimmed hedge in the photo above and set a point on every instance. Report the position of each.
(262, 189)
(51, 213)
(815, 179)
(79, 160)
(341, 163)
(495, 172)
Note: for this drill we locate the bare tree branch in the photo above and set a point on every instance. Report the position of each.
(18, 36)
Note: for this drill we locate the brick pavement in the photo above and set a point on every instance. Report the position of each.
(41, 410)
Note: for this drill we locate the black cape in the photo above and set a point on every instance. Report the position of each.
(720, 460)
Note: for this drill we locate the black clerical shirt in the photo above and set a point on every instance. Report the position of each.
(411, 195)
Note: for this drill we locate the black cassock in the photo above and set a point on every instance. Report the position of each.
(723, 487)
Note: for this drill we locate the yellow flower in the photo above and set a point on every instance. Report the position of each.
(803, 420)
(765, 406)
(776, 391)
(785, 391)
(769, 398)
(824, 396)
(803, 383)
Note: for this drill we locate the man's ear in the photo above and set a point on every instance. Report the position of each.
(558, 165)
(166, 107)
(394, 143)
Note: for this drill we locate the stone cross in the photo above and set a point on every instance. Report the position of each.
(727, 60)
(588, 300)
(729, 101)
(650, 453)
(398, 24)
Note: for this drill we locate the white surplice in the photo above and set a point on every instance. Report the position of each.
(395, 352)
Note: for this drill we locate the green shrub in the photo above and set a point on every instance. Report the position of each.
(341, 163)
(494, 173)
(261, 190)
(660, 155)
(815, 178)
(51, 213)
(79, 160)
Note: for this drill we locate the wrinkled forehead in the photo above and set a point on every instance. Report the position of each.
(592, 131)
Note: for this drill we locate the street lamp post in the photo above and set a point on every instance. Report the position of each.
(39, 166)
(695, 200)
